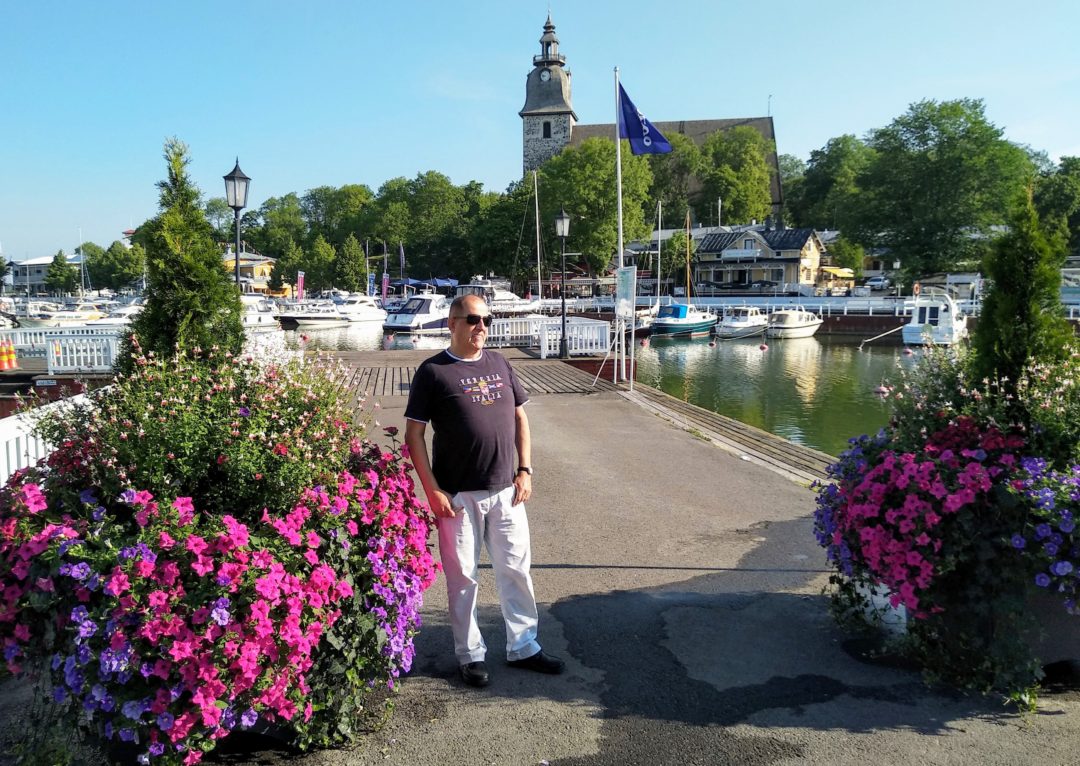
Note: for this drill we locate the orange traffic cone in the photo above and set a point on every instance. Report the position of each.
(5, 365)
(14, 357)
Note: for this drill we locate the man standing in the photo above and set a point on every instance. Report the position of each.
(476, 484)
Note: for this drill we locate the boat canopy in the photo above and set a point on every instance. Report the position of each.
(674, 311)
(440, 282)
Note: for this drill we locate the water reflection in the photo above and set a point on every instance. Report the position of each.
(813, 391)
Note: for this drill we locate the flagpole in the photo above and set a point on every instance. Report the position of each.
(539, 273)
(620, 338)
(659, 238)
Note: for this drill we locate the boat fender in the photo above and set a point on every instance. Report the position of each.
(764, 346)
(908, 352)
(712, 344)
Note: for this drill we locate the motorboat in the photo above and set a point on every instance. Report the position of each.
(68, 316)
(259, 315)
(741, 322)
(421, 313)
(118, 317)
(361, 308)
(936, 320)
(682, 320)
(310, 315)
(499, 299)
(794, 322)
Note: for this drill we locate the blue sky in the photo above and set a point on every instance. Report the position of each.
(328, 93)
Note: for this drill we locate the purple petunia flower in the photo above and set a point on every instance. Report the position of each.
(128, 496)
(1042, 579)
(80, 571)
(165, 721)
(87, 496)
(1066, 524)
(98, 513)
(244, 412)
(1061, 568)
(249, 718)
(1042, 530)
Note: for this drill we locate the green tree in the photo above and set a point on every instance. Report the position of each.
(88, 253)
(673, 257)
(1057, 200)
(675, 175)
(736, 170)
(388, 217)
(318, 266)
(1021, 318)
(581, 180)
(829, 185)
(62, 276)
(221, 218)
(350, 269)
(282, 221)
(192, 303)
(941, 177)
(848, 254)
(285, 267)
(116, 268)
(503, 237)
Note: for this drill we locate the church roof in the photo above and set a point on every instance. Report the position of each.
(698, 131)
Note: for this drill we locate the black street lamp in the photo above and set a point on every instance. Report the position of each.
(236, 192)
(562, 231)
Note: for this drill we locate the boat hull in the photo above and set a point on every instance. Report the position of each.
(795, 331)
(311, 323)
(729, 332)
(681, 329)
(422, 326)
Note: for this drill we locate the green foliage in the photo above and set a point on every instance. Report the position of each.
(1057, 200)
(736, 170)
(675, 175)
(941, 176)
(62, 276)
(221, 219)
(318, 266)
(674, 261)
(830, 184)
(1022, 318)
(581, 180)
(285, 267)
(116, 268)
(847, 254)
(350, 268)
(238, 434)
(503, 238)
(192, 301)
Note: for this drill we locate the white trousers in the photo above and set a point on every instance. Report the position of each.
(492, 519)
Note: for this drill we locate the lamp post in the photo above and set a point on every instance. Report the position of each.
(236, 191)
(562, 231)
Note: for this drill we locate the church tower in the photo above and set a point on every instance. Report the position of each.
(548, 116)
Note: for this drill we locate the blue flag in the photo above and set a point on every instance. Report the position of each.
(643, 136)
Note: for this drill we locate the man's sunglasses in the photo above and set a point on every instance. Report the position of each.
(475, 319)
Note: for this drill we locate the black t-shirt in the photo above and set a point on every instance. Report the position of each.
(470, 405)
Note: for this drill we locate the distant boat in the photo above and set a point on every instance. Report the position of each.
(258, 314)
(79, 314)
(420, 314)
(936, 320)
(120, 317)
(792, 323)
(361, 308)
(499, 299)
(310, 315)
(682, 319)
(741, 322)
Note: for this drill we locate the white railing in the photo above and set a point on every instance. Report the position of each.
(19, 445)
(583, 336)
(68, 349)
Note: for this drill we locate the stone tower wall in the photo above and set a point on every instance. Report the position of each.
(537, 149)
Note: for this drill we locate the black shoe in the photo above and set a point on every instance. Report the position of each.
(541, 663)
(474, 673)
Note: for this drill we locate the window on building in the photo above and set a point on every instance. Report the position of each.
(748, 244)
(547, 129)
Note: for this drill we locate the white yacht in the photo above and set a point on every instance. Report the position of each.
(361, 308)
(499, 299)
(936, 320)
(119, 317)
(795, 322)
(68, 316)
(311, 315)
(741, 322)
(421, 313)
(258, 314)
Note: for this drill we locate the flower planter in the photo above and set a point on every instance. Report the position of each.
(878, 610)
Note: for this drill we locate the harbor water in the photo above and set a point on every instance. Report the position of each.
(818, 392)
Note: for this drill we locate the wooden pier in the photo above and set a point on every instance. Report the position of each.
(387, 374)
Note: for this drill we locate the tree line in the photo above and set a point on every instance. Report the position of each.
(932, 189)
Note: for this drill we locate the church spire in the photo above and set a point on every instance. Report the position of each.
(549, 47)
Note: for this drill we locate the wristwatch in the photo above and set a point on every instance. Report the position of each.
(525, 468)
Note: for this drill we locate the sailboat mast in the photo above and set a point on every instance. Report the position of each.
(539, 274)
(687, 256)
(659, 244)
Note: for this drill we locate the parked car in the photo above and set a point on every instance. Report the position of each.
(763, 284)
(878, 283)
